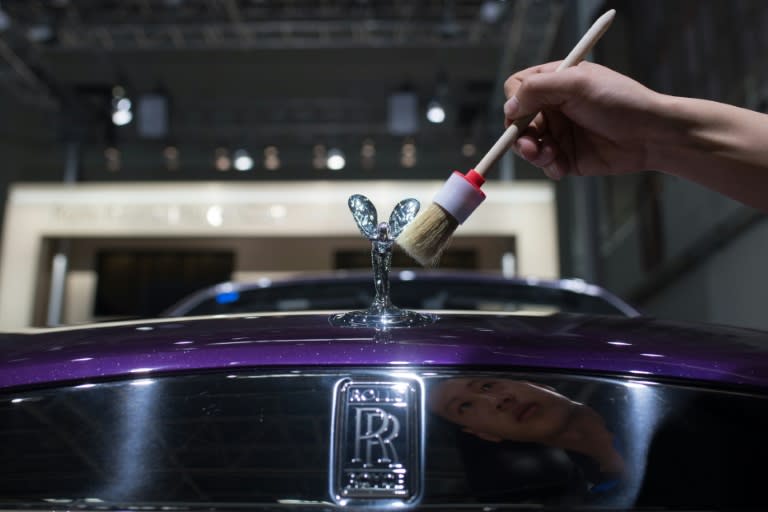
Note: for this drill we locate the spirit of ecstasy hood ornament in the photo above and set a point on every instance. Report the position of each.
(382, 314)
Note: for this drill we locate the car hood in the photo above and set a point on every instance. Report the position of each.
(643, 347)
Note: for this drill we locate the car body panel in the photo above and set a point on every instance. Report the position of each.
(640, 347)
(325, 437)
(416, 289)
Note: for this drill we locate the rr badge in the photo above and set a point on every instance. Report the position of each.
(377, 448)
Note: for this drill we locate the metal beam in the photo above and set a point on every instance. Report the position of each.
(271, 34)
(32, 90)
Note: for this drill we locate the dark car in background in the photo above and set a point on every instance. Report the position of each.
(413, 289)
(469, 411)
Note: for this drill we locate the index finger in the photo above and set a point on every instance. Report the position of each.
(512, 84)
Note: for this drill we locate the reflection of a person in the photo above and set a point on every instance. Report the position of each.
(669, 448)
(499, 410)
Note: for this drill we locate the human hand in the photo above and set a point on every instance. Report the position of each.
(593, 121)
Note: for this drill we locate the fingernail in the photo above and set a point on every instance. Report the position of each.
(511, 107)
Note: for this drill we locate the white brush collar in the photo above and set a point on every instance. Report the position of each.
(459, 197)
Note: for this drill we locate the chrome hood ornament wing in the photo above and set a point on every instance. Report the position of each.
(382, 314)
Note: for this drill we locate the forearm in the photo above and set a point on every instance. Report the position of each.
(720, 146)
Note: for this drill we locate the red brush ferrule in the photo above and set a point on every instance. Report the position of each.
(475, 178)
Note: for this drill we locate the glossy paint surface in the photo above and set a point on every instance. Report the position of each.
(278, 439)
(637, 347)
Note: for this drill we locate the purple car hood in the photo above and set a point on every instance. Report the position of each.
(641, 347)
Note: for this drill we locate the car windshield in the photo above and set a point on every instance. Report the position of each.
(432, 294)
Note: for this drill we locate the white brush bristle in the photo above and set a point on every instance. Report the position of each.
(427, 236)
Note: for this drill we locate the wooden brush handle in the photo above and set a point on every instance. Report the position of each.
(577, 54)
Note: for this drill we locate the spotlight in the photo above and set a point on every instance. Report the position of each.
(435, 112)
(121, 117)
(491, 11)
(336, 160)
(368, 150)
(171, 154)
(41, 33)
(271, 158)
(468, 149)
(367, 154)
(5, 20)
(319, 157)
(121, 107)
(408, 154)
(222, 161)
(278, 211)
(215, 216)
(436, 106)
(242, 160)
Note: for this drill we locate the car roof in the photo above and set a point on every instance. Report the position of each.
(365, 278)
(635, 347)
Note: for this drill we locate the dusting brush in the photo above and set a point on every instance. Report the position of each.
(428, 235)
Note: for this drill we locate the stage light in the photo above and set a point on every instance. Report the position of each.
(222, 162)
(121, 117)
(215, 216)
(319, 157)
(41, 33)
(121, 107)
(171, 154)
(336, 160)
(491, 11)
(243, 160)
(408, 154)
(435, 112)
(5, 20)
(368, 150)
(367, 154)
(271, 158)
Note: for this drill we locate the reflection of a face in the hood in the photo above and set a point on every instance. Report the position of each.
(512, 410)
